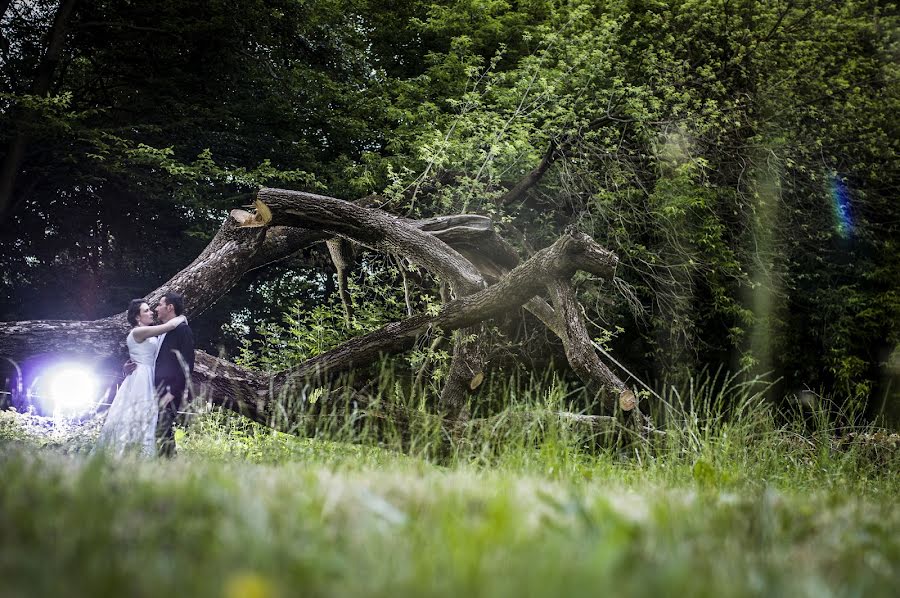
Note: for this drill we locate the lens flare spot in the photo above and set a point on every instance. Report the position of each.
(840, 205)
(68, 387)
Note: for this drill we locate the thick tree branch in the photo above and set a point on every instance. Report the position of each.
(255, 394)
(376, 229)
(573, 251)
(599, 380)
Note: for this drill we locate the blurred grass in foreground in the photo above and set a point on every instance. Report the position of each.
(754, 503)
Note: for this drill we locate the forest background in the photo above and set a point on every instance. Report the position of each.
(740, 158)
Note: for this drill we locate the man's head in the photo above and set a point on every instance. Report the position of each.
(170, 305)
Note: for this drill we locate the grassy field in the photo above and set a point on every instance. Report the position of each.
(750, 505)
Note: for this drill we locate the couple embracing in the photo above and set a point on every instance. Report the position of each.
(161, 358)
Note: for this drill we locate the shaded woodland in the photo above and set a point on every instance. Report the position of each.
(735, 162)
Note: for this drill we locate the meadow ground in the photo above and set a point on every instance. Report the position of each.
(713, 506)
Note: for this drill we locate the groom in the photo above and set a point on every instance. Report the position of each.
(174, 364)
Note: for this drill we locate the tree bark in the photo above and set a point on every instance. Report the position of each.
(573, 251)
(374, 229)
(252, 394)
(237, 249)
(600, 381)
(568, 325)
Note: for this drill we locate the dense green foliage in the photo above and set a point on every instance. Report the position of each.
(740, 157)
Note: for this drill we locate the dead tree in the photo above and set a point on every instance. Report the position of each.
(484, 273)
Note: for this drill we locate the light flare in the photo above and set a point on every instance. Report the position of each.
(840, 205)
(68, 388)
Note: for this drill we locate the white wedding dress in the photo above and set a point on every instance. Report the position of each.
(130, 426)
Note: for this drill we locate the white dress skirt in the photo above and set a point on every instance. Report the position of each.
(130, 426)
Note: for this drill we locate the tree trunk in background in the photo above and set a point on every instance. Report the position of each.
(15, 149)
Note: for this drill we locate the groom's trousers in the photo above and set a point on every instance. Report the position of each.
(165, 429)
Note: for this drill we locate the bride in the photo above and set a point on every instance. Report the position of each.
(130, 425)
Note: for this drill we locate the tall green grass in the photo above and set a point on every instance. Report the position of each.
(727, 496)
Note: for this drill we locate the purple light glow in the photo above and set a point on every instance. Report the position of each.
(840, 205)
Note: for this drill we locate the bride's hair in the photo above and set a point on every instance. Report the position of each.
(134, 310)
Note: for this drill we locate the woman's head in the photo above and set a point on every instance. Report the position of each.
(139, 313)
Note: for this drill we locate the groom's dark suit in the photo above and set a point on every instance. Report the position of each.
(175, 356)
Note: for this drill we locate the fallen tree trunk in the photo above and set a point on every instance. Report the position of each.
(234, 251)
(246, 241)
(572, 251)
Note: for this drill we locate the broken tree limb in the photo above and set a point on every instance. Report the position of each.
(236, 249)
(572, 251)
(571, 330)
(467, 365)
(566, 322)
(376, 229)
(475, 238)
(252, 394)
(342, 257)
(233, 251)
(599, 380)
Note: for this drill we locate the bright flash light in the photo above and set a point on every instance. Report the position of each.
(68, 387)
